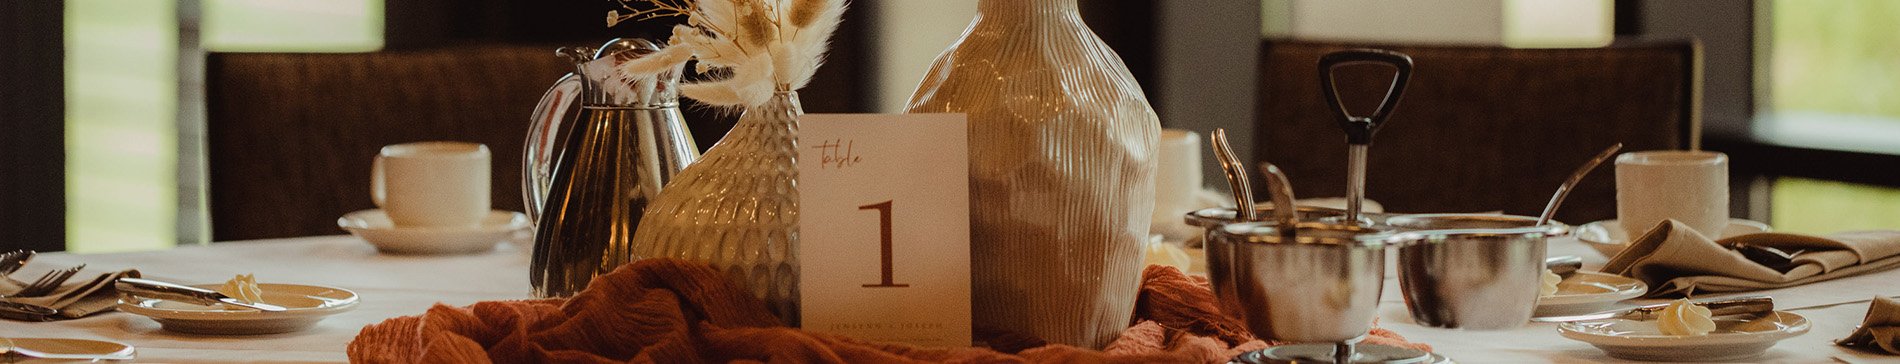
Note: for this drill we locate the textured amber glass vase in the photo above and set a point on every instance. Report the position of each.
(737, 207)
(1062, 164)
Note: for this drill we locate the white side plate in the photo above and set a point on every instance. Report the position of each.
(305, 306)
(373, 226)
(1589, 292)
(1736, 337)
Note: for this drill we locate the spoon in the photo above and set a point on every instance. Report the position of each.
(1236, 177)
(1284, 212)
(1550, 209)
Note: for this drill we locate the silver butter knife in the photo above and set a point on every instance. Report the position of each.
(1720, 307)
(162, 290)
(1564, 266)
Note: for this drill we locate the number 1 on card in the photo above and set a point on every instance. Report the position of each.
(884, 240)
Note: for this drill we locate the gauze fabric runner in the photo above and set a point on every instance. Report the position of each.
(673, 311)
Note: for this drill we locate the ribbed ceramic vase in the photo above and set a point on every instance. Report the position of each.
(737, 207)
(1062, 164)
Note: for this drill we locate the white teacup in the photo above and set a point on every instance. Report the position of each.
(1177, 184)
(432, 184)
(1688, 186)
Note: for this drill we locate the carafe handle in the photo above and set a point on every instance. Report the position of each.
(546, 134)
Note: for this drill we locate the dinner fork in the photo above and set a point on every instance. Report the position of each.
(47, 282)
(12, 261)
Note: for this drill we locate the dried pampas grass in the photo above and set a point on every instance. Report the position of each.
(769, 45)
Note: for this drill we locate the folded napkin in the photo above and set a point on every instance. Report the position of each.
(672, 311)
(77, 297)
(1880, 330)
(1678, 261)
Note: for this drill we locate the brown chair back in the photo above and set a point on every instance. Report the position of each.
(290, 136)
(1480, 128)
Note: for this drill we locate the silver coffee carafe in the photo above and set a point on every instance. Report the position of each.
(602, 144)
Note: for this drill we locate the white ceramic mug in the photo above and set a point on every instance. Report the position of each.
(1177, 182)
(432, 184)
(1689, 186)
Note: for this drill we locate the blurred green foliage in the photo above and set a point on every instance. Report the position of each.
(1837, 57)
(1840, 56)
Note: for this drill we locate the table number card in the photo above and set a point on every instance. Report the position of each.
(884, 233)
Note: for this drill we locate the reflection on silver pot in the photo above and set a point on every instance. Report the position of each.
(1220, 254)
(1321, 286)
(1472, 271)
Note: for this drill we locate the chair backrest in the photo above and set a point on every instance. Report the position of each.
(1481, 128)
(290, 136)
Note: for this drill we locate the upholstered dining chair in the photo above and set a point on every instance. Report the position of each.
(1480, 128)
(290, 136)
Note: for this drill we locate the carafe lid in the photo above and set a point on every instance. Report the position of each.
(604, 84)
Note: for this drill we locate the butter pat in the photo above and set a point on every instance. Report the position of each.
(244, 288)
(1550, 284)
(1682, 318)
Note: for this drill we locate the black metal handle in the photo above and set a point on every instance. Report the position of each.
(1359, 130)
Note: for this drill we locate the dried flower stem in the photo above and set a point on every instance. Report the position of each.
(763, 42)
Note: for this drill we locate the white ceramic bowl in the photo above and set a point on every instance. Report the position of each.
(1589, 292)
(1736, 337)
(373, 226)
(304, 306)
(1608, 237)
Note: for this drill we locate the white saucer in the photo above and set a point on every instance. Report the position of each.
(305, 305)
(1589, 292)
(1735, 337)
(106, 351)
(374, 227)
(1607, 236)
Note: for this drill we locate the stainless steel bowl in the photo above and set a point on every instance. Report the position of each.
(1219, 255)
(1472, 271)
(1321, 286)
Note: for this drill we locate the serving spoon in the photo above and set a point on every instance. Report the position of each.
(1236, 177)
(1550, 209)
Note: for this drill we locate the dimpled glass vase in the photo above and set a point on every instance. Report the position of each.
(737, 208)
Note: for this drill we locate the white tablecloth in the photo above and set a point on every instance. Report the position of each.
(393, 286)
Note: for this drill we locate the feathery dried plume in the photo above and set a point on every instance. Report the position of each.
(769, 45)
(804, 12)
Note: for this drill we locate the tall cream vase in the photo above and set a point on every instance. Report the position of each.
(1062, 170)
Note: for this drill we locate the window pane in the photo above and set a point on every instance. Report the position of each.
(1820, 207)
(292, 25)
(1836, 56)
(121, 135)
(1833, 83)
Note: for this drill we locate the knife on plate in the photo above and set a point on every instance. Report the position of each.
(1720, 307)
(162, 290)
(1564, 266)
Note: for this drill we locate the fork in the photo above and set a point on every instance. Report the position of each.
(47, 282)
(13, 260)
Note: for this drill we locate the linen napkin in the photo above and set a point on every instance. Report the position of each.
(1678, 261)
(673, 311)
(77, 297)
(1880, 330)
